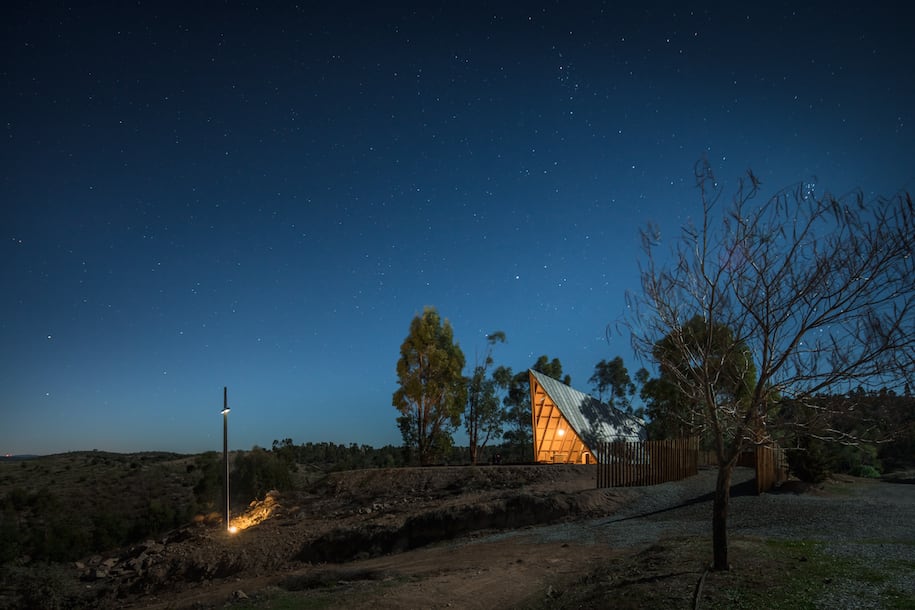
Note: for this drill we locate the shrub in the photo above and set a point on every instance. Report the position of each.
(257, 472)
(865, 471)
(11, 538)
(40, 585)
(810, 462)
(209, 487)
(852, 458)
(109, 530)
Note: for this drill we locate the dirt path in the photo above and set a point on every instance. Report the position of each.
(486, 574)
(492, 572)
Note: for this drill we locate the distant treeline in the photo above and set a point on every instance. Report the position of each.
(867, 433)
(332, 456)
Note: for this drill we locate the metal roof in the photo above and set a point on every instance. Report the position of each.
(593, 421)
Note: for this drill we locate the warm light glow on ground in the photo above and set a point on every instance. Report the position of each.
(258, 512)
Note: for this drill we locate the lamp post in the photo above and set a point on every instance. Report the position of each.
(225, 449)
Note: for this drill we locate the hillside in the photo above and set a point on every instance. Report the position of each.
(477, 537)
(342, 516)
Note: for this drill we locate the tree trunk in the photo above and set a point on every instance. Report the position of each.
(473, 437)
(720, 515)
(422, 440)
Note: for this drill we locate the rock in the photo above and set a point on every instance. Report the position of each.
(139, 563)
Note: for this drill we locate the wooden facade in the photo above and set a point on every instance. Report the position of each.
(568, 425)
(555, 441)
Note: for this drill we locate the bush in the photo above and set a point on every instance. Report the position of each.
(257, 472)
(810, 462)
(157, 517)
(57, 535)
(11, 538)
(852, 458)
(868, 472)
(39, 585)
(208, 489)
(109, 530)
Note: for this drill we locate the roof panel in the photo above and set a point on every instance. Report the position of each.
(593, 421)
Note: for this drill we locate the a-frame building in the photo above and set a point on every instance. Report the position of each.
(569, 425)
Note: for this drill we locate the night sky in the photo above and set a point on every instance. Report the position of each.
(263, 198)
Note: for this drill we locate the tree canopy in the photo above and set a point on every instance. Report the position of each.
(688, 357)
(612, 377)
(432, 390)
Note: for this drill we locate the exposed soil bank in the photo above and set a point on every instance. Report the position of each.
(419, 530)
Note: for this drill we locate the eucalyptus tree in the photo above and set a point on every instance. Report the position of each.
(483, 416)
(675, 413)
(811, 293)
(432, 390)
(612, 376)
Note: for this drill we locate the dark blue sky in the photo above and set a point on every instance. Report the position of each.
(264, 197)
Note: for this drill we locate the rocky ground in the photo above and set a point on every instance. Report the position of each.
(506, 536)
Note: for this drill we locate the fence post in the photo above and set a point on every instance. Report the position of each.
(600, 465)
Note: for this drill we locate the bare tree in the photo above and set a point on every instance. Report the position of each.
(810, 293)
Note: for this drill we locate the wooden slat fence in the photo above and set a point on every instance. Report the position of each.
(632, 463)
(769, 462)
(771, 467)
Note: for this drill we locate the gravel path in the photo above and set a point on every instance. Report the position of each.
(869, 512)
(870, 519)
